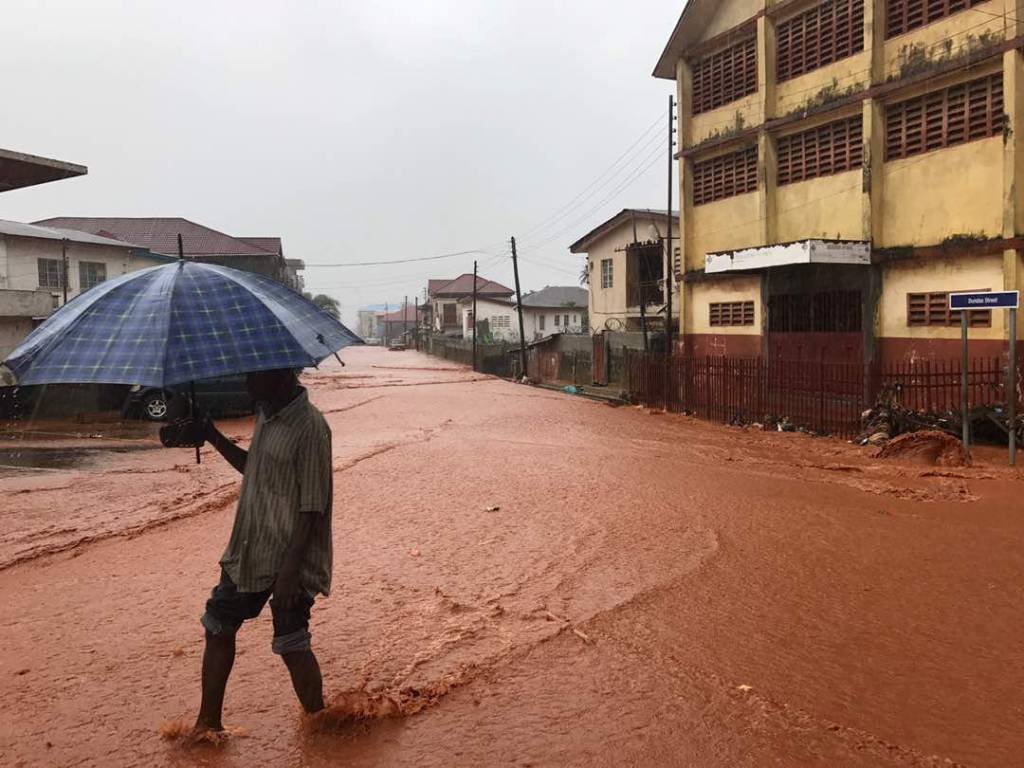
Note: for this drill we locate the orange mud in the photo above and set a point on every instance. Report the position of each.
(526, 578)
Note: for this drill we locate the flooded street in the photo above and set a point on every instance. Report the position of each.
(551, 580)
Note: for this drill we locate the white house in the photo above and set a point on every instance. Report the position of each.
(555, 309)
(499, 314)
(33, 278)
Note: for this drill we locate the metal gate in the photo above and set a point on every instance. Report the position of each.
(599, 359)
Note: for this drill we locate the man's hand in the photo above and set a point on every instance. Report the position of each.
(287, 588)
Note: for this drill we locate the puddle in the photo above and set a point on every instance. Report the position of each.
(18, 460)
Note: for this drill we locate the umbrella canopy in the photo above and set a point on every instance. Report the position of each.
(177, 323)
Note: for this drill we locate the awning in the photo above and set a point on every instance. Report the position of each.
(801, 252)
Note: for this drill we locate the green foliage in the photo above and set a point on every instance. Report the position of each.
(328, 304)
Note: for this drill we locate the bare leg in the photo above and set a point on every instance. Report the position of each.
(218, 659)
(306, 679)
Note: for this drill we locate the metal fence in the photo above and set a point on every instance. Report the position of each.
(827, 398)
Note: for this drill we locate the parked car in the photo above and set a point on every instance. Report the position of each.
(222, 396)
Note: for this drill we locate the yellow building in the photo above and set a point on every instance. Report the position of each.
(844, 165)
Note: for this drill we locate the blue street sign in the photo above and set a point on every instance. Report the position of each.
(987, 300)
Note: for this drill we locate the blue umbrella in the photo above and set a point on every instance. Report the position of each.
(177, 323)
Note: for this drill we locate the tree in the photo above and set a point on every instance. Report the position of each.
(585, 274)
(328, 304)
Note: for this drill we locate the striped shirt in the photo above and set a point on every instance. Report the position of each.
(288, 472)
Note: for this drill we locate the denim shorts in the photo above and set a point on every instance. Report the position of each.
(228, 608)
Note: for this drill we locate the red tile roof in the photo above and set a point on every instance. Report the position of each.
(463, 286)
(268, 244)
(396, 317)
(161, 235)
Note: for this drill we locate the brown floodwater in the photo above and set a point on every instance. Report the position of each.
(525, 578)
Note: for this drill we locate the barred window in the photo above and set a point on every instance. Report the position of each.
(954, 115)
(723, 313)
(932, 309)
(828, 32)
(822, 151)
(91, 274)
(905, 15)
(725, 176)
(606, 277)
(822, 312)
(725, 76)
(51, 273)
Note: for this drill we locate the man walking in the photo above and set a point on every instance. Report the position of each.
(280, 548)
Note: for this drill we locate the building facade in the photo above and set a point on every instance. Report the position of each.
(844, 166)
(555, 309)
(626, 271)
(39, 266)
(444, 296)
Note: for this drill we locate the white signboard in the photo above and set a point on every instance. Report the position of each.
(802, 252)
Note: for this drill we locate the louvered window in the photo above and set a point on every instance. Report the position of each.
(905, 15)
(932, 309)
(731, 313)
(830, 148)
(725, 176)
(725, 76)
(954, 115)
(828, 32)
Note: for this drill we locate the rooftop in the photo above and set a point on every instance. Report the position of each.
(161, 235)
(17, 229)
(623, 216)
(557, 296)
(18, 170)
(463, 285)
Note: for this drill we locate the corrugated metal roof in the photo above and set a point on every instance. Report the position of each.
(161, 234)
(626, 214)
(18, 229)
(557, 296)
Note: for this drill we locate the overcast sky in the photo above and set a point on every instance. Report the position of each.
(356, 131)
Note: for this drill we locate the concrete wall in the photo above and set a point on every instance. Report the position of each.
(501, 319)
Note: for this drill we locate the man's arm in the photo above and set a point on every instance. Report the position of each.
(234, 455)
(288, 585)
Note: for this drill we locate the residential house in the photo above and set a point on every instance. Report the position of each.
(844, 166)
(262, 255)
(444, 295)
(33, 275)
(293, 267)
(495, 317)
(370, 321)
(626, 270)
(555, 309)
(42, 267)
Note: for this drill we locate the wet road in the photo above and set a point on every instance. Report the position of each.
(558, 582)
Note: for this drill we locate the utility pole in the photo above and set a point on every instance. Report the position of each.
(64, 267)
(405, 317)
(387, 310)
(670, 270)
(474, 316)
(416, 322)
(643, 295)
(519, 304)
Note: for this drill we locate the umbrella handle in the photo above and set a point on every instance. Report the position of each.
(192, 413)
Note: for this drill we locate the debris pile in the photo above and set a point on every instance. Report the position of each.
(930, 447)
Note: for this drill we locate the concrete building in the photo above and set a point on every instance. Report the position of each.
(555, 309)
(444, 296)
(626, 269)
(38, 265)
(262, 255)
(844, 165)
(496, 317)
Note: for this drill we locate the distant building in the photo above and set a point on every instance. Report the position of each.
(444, 297)
(399, 323)
(555, 309)
(626, 270)
(370, 325)
(262, 255)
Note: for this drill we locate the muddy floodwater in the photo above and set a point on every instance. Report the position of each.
(538, 579)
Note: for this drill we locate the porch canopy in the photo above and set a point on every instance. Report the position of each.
(854, 252)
